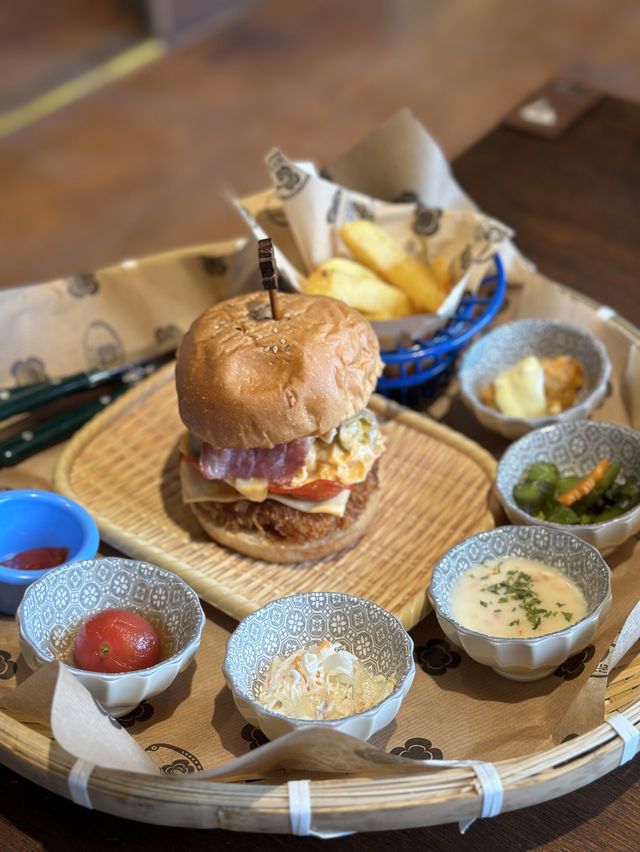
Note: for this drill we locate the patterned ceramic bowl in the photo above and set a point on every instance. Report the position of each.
(524, 659)
(507, 344)
(575, 448)
(286, 625)
(54, 607)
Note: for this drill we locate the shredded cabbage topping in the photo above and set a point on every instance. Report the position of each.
(322, 682)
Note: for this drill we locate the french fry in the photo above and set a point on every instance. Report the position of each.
(359, 287)
(376, 249)
(440, 269)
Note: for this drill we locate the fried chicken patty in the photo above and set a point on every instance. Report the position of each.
(282, 522)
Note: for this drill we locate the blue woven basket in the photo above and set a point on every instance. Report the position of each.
(413, 373)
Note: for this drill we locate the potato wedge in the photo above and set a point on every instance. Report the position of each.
(359, 287)
(376, 249)
(441, 272)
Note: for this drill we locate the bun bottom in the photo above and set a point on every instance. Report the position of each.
(268, 548)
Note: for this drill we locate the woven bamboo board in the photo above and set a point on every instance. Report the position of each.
(436, 488)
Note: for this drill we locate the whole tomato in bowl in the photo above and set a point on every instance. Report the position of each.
(57, 606)
(116, 640)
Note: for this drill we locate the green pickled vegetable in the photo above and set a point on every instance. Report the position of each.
(540, 485)
(543, 472)
(530, 495)
(602, 485)
(565, 483)
(562, 515)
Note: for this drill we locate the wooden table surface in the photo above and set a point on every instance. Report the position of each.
(574, 203)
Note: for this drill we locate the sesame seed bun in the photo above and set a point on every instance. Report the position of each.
(245, 380)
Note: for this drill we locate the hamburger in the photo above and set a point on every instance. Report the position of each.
(280, 461)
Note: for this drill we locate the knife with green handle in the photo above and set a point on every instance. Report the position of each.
(28, 397)
(53, 430)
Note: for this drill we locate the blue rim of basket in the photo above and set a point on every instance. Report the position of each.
(475, 312)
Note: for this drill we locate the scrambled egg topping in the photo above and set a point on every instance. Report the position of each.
(345, 454)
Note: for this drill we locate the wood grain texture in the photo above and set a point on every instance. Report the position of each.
(574, 203)
(140, 166)
(68, 38)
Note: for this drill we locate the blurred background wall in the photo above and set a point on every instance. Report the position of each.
(122, 121)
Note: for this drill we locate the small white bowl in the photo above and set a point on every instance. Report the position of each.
(54, 607)
(575, 449)
(506, 345)
(289, 624)
(524, 659)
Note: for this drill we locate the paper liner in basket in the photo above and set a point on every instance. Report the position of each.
(313, 209)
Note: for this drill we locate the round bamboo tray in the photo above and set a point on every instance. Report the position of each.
(345, 804)
(351, 804)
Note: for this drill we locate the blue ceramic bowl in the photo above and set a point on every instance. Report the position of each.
(30, 519)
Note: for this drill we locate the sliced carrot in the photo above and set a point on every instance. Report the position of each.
(585, 486)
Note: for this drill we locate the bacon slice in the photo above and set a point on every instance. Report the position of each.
(278, 464)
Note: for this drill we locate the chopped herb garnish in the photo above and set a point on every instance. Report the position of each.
(514, 623)
(483, 603)
(518, 587)
(559, 605)
(568, 615)
(497, 610)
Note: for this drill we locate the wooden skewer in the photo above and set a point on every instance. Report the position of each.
(269, 273)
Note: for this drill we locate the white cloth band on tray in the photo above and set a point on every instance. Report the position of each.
(489, 787)
(300, 812)
(78, 782)
(605, 312)
(628, 733)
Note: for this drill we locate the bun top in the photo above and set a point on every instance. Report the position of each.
(246, 380)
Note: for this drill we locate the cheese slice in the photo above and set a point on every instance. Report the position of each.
(197, 489)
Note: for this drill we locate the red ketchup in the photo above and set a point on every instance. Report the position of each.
(37, 558)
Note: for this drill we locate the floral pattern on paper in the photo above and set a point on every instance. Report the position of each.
(216, 266)
(426, 221)
(80, 286)
(417, 748)
(574, 666)
(29, 371)
(253, 736)
(406, 197)
(178, 767)
(436, 657)
(7, 666)
(183, 765)
(166, 334)
(142, 713)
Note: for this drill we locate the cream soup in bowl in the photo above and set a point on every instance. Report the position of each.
(535, 654)
(516, 597)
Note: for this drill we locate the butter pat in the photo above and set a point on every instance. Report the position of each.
(519, 391)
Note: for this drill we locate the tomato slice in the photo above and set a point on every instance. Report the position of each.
(317, 490)
(37, 558)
